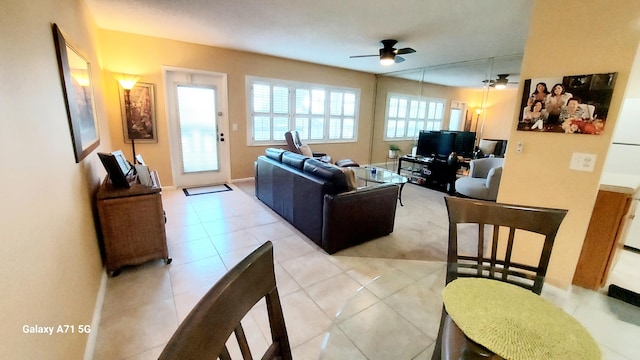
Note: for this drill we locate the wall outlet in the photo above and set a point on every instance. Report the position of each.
(519, 147)
(582, 162)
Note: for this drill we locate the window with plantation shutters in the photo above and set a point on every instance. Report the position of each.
(320, 113)
(406, 115)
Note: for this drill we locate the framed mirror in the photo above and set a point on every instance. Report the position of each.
(75, 73)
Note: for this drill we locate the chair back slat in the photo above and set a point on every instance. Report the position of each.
(242, 342)
(224, 355)
(205, 331)
(480, 247)
(509, 251)
(494, 252)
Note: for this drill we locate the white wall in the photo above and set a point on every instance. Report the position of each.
(50, 260)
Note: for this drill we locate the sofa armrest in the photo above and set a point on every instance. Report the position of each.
(493, 178)
(353, 217)
(493, 182)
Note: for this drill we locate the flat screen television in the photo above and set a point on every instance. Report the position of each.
(435, 144)
(465, 143)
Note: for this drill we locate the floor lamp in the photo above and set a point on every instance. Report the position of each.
(127, 82)
(478, 112)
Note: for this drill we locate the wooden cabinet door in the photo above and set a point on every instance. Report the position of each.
(603, 238)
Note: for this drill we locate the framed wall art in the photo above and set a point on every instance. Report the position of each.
(574, 104)
(75, 73)
(138, 114)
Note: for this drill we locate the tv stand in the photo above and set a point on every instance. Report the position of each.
(436, 172)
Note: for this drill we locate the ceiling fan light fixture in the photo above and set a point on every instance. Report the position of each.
(500, 86)
(387, 60)
(387, 57)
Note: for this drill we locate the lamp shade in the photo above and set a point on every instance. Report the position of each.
(127, 81)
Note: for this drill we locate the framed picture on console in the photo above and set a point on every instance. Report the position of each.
(572, 104)
(75, 73)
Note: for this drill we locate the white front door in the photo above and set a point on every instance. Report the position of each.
(198, 127)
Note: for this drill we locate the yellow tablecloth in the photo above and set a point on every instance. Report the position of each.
(516, 323)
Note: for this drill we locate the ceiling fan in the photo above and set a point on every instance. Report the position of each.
(389, 54)
(499, 83)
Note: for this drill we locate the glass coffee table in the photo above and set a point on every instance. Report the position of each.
(381, 176)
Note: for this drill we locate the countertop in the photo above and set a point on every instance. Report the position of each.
(610, 181)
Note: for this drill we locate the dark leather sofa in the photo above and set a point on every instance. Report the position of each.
(314, 197)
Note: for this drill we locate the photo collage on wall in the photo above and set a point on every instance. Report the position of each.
(576, 104)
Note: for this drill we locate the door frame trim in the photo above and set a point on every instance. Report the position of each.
(225, 151)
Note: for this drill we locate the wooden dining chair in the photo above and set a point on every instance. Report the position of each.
(506, 225)
(204, 332)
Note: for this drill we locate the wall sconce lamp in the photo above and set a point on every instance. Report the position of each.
(127, 82)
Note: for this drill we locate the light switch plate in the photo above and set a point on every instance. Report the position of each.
(583, 162)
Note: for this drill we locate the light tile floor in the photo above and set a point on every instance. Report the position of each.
(208, 234)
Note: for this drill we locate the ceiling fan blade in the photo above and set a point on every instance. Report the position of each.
(405, 51)
(398, 59)
(359, 56)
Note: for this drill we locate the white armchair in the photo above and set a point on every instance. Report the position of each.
(483, 181)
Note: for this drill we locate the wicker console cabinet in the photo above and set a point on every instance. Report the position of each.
(132, 223)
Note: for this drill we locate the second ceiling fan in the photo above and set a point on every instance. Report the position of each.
(388, 54)
(499, 83)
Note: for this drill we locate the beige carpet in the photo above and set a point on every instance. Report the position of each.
(420, 232)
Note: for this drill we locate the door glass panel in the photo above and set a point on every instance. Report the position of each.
(198, 132)
(455, 119)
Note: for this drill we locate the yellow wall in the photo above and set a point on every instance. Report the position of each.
(50, 261)
(569, 38)
(144, 56)
(498, 113)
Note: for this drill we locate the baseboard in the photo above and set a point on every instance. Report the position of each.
(233, 181)
(90, 347)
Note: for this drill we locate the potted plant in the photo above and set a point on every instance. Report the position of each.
(393, 151)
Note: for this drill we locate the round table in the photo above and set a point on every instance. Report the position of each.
(516, 323)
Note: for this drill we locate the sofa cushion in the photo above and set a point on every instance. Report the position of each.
(275, 154)
(305, 150)
(347, 163)
(487, 146)
(350, 175)
(294, 160)
(328, 172)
